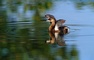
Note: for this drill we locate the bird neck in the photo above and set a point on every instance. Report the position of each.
(52, 25)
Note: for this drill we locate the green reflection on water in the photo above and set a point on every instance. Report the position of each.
(20, 40)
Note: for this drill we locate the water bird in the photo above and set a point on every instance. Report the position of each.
(56, 25)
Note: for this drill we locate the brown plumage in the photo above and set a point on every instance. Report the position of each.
(56, 26)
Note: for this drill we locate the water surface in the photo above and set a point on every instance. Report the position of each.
(23, 32)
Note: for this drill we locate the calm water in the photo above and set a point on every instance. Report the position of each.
(24, 33)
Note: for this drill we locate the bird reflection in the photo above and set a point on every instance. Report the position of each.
(56, 38)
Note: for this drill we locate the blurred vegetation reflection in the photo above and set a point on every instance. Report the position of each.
(23, 31)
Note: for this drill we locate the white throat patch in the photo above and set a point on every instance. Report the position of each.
(56, 27)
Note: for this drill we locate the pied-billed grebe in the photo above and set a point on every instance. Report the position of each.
(56, 26)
